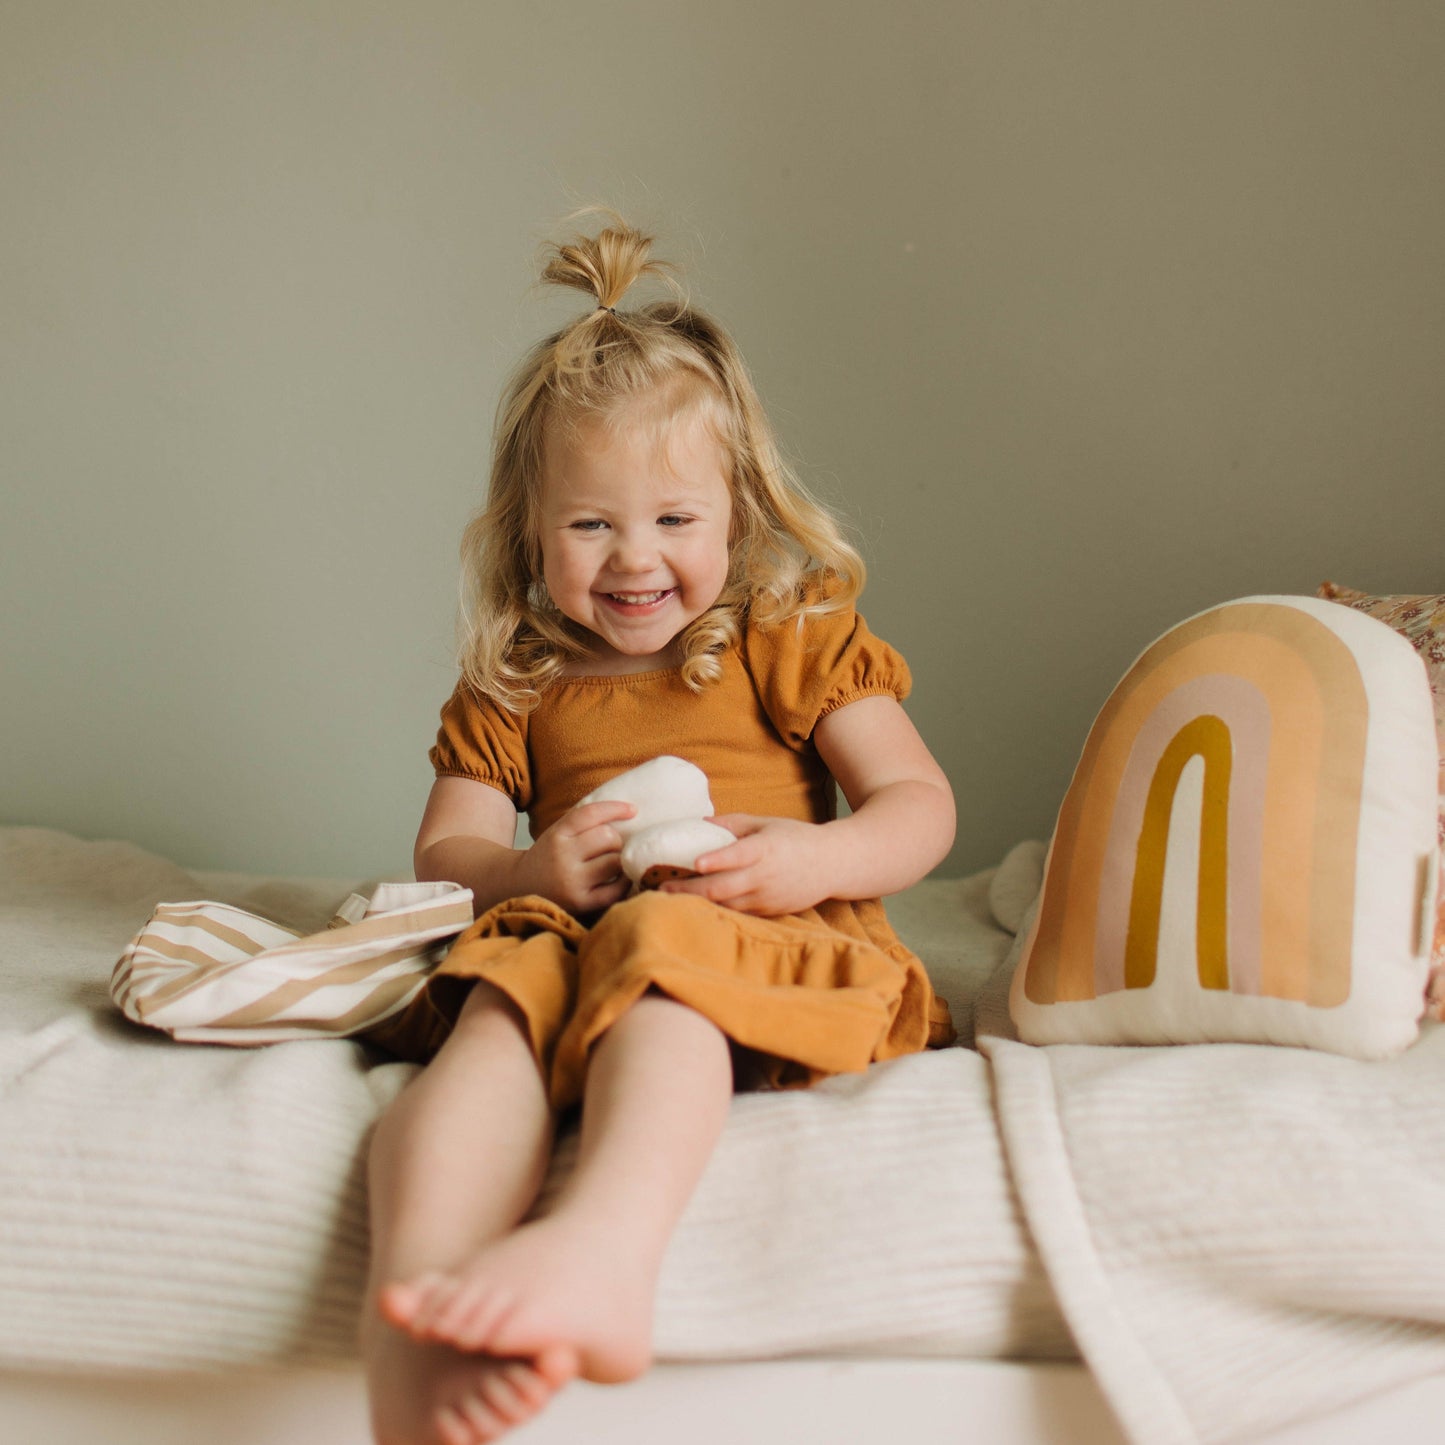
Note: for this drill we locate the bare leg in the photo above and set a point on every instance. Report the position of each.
(455, 1163)
(584, 1276)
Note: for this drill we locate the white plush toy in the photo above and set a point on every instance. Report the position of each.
(669, 831)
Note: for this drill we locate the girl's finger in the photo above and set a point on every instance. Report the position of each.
(604, 870)
(600, 842)
(739, 824)
(606, 882)
(606, 894)
(719, 888)
(590, 815)
(726, 858)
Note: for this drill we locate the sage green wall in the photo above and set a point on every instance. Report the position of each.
(1088, 315)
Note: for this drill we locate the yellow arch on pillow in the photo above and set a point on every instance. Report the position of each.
(1207, 738)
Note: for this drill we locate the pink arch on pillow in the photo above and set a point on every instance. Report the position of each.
(1243, 710)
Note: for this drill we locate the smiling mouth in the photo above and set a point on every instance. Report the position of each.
(640, 599)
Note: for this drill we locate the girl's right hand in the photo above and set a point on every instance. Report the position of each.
(577, 862)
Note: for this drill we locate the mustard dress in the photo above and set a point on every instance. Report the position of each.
(825, 991)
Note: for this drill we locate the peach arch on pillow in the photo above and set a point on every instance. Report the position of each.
(1263, 670)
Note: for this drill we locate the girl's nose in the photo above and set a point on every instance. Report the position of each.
(633, 553)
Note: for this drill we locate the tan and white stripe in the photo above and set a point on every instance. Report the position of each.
(210, 973)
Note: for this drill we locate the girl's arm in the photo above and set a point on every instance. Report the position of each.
(901, 825)
(466, 836)
(903, 818)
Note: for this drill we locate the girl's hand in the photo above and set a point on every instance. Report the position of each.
(577, 862)
(900, 824)
(778, 865)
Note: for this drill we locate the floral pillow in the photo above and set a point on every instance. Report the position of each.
(1421, 619)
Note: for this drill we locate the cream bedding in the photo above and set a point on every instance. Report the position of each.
(1240, 1235)
(1237, 1236)
(178, 1206)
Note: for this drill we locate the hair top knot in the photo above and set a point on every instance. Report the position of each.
(607, 265)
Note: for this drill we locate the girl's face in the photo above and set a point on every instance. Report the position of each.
(634, 533)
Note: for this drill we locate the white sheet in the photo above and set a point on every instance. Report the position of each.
(175, 1206)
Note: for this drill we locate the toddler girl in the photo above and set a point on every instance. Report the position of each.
(646, 578)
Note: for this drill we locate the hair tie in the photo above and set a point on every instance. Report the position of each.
(610, 310)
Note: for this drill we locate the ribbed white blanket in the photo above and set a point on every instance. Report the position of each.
(170, 1206)
(1240, 1235)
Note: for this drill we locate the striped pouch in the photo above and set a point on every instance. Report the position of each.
(211, 973)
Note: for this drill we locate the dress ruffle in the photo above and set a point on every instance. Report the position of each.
(809, 998)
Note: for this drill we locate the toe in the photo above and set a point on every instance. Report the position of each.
(453, 1427)
(502, 1394)
(436, 1296)
(471, 1319)
(397, 1303)
(486, 1423)
(557, 1365)
(528, 1390)
(412, 1303)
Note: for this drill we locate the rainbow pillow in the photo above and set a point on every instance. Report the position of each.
(1247, 849)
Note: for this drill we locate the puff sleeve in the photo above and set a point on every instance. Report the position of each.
(481, 740)
(810, 666)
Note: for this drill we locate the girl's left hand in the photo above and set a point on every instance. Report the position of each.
(778, 865)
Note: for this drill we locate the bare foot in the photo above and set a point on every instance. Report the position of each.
(550, 1284)
(433, 1394)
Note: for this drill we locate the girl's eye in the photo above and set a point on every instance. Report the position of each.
(588, 524)
(673, 520)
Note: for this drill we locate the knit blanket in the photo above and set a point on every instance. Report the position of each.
(174, 1206)
(1240, 1236)
(1237, 1237)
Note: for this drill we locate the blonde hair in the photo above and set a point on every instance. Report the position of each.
(787, 554)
